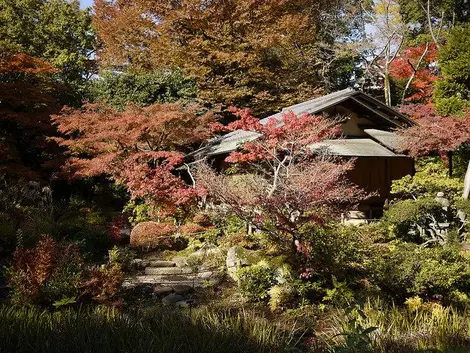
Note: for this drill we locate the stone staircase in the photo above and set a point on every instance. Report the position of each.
(173, 273)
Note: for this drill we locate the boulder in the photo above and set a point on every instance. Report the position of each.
(138, 264)
(207, 250)
(237, 257)
(182, 289)
(162, 290)
(173, 299)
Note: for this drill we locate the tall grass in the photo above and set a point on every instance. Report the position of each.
(428, 328)
(28, 329)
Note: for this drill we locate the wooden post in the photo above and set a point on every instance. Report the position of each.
(466, 187)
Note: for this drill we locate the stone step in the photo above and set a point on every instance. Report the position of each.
(184, 277)
(167, 270)
(196, 282)
(161, 263)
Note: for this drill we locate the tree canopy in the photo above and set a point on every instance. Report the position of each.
(246, 53)
(119, 89)
(453, 88)
(56, 30)
(138, 147)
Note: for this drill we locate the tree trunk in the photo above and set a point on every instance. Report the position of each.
(466, 188)
(387, 93)
(451, 166)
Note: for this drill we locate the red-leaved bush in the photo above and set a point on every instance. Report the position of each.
(103, 284)
(151, 235)
(46, 273)
(434, 133)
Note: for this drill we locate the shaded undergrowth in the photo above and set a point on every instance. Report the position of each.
(103, 330)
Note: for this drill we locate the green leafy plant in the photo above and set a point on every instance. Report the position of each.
(256, 280)
(431, 177)
(121, 256)
(281, 296)
(357, 337)
(404, 269)
(413, 220)
(64, 302)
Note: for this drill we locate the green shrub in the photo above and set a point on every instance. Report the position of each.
(431, 177)
(410, 219)
(281, 297)
(404, 270)
(121, 256)
(256, 280)
(336, 250)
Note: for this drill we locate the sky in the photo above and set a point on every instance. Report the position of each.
(86, 3)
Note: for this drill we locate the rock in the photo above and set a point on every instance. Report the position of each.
(237, 257)
(167, 270)
(162, 290)
(182, 289)
(160, 263)
(143, 289)
(173, 299)
(207, 250)
(440, 197)
(153, 280)
(138, 264)
(180, 261)
(186, 303)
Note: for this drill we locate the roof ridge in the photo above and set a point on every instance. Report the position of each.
(347, 91)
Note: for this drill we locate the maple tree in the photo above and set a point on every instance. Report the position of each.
(27, 98)
(284, 185)
(434, 134)
(252, 53)
(138, 147)
(414, 66)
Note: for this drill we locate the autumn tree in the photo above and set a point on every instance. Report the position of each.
(435, 134)
(284, 185)
(138, 147)
(27, 98)
(245, 53)
(414, 70)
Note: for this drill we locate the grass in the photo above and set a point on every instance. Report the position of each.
(103, 330)
(430, 328)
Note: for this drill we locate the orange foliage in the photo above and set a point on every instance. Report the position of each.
(103, 284)
(33, 269)
(149, 235)
(404, 66)
(243, 52)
